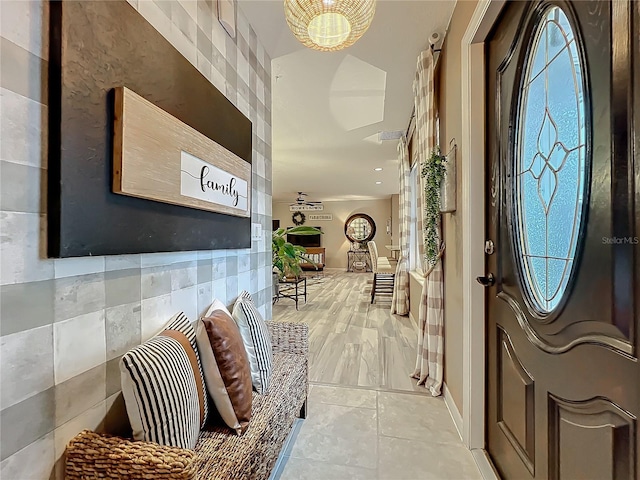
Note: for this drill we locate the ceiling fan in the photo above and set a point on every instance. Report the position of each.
(301, 200)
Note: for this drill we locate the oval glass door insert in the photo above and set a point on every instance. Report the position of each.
(550, 162)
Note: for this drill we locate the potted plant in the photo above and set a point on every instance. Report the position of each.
(286, 256)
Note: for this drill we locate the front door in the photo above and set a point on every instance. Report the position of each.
(563, 216)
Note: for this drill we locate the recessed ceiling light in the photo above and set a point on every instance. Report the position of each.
(378, 183)
(378, 169)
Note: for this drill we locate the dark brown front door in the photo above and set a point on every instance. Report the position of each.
(563, 213)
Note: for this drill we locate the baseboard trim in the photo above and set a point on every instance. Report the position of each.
(484, 464)
(453, 409)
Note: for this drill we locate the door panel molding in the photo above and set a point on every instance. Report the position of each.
(521, 435)
(618, 344)
(580, 431)
(622, 165)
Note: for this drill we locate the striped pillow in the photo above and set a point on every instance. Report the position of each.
(163, 387)
(256, 339)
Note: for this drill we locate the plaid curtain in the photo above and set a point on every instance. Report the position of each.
(430, 355)
(400, 301)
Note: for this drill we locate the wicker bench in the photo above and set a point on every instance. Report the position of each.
(219, 454)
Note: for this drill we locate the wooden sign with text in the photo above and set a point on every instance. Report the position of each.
(325, 217)
(158, 157)
(306, 208)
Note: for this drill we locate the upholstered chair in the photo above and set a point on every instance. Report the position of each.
(383, 272)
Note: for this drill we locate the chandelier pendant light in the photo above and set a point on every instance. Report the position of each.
(329, 25)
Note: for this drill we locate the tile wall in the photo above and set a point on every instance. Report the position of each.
(65, 323)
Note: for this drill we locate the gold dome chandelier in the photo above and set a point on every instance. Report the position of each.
(329, 25)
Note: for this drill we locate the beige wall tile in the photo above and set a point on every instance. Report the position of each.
(22, 188)
(190, 7)
(154, 14)
(33, 462)
(122, 262)
(92, 419)
(25, 23)
(79, 345)
(27, 421)
(183, 276)
(164, 259)
(21, 128)
(156, 312)
(186, 300)
(26, 364)
(22, 254)
(72, 267)
(220, 291)
(116, 420)
(22, 72)
(80, 393)
(185, 45)
(205, 298)
(156, 281)
(24, 306)
(123, 286)
(78, 295)
(123, 328)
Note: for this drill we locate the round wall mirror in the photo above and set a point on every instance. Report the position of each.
(360, 228)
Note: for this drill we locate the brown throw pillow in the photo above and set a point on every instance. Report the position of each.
(226, 368)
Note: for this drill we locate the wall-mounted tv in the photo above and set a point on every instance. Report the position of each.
(305, 240)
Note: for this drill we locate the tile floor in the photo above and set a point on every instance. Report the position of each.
(357, 433)
(382, 427)
(352, 341)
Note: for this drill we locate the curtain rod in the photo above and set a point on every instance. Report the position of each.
(413, 110)
(411, 117)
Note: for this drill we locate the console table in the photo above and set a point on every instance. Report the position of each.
(358, 260)
(288, 288)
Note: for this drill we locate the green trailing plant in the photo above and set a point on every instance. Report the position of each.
(286, 256)
(433, 171)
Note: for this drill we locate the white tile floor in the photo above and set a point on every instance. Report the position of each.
(358, 433)
(366, 418)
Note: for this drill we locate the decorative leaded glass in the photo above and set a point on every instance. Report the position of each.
(550, 161)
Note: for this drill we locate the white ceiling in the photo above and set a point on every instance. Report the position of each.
(327, 107)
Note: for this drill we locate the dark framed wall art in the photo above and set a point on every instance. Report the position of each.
(97, 49)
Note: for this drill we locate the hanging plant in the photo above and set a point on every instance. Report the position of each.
(298, 218)
(433, 172)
